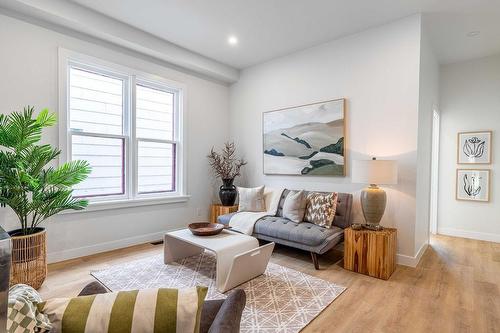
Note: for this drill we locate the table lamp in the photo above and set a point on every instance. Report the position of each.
(373, 199)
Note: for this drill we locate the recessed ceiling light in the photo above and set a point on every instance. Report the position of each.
(473, 33)
(232, 40)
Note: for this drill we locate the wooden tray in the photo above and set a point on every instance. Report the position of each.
(205, 228)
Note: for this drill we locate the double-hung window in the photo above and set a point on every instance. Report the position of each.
(127, 125)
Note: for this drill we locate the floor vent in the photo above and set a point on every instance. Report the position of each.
(159, 242)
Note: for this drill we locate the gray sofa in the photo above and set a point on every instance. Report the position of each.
(305, 236)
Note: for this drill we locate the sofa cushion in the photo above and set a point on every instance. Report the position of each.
(294, 206)
(321, 208)
(284, 194)
(342, 213)
(303, 233)
(251, 199)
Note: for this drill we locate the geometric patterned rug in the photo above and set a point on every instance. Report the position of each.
(281, 300)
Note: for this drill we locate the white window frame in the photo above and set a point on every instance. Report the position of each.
(131, 77)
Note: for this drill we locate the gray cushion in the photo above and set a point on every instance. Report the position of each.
(284, 194)
(302, 233)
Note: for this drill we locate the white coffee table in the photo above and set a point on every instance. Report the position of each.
(239, 256)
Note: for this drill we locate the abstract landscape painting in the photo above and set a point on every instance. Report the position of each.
(305, 140)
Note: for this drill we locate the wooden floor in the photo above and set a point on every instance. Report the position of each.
(455, 288)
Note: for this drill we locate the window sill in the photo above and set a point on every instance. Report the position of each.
(128, 203)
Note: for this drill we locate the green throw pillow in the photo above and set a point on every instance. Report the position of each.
(147, 310)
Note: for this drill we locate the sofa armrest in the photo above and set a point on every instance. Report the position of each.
(208, 314)
(229, 316)
(224, 219)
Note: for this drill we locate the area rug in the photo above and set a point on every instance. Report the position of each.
(281, 300)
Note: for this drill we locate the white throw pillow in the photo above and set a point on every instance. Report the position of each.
(272, 198)
(251, 199)
(294, 206)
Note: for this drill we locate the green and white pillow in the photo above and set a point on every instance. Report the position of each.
(22, 314)
(145, 311)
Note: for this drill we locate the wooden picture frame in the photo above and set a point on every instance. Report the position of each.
(474, 147)
(470, 185)
(286, 152)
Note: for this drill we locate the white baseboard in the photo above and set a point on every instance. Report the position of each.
(102, 247)
(410, 261)
(83, 251)
(470, 234)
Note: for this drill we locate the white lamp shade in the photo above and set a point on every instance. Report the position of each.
(375, 172)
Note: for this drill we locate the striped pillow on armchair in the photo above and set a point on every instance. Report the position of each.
(147, 310)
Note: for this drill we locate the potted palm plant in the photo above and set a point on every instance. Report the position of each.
(33, 190)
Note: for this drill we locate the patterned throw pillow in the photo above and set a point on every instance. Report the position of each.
(147, 310)
(22, 314)
(321, 208)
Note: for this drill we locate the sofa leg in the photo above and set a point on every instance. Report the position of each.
(314, 257)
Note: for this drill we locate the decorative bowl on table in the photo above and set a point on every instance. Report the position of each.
(205, 228)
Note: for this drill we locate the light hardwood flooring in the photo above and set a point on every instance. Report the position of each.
(455, 288)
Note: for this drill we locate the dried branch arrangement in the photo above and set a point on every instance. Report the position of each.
(225, 164)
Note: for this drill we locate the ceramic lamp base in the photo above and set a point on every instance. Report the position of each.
(373, 201)
(375, 227)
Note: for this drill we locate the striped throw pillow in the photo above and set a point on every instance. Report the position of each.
(144, 311)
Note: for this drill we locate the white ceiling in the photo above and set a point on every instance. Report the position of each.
(267, 29)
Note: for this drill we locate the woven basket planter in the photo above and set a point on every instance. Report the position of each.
(29, 258)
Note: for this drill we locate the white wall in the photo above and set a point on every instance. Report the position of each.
(377, 71)
(428, 101)
(28, 62)
(470, 100)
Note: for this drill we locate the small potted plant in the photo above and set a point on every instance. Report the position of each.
(226, 166)
(33, 190)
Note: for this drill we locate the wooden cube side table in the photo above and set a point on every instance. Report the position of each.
(218, 210)
(370, 252)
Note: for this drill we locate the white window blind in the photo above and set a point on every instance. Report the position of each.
(155, 136)
(96, 102)
(127, 128)
(96, 128)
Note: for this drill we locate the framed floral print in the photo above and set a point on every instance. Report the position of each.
(474, 147)
(473, 185)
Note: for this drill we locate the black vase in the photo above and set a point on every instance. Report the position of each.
(227, 192)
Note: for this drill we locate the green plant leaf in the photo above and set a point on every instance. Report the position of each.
(46, 119)
(68, 174)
